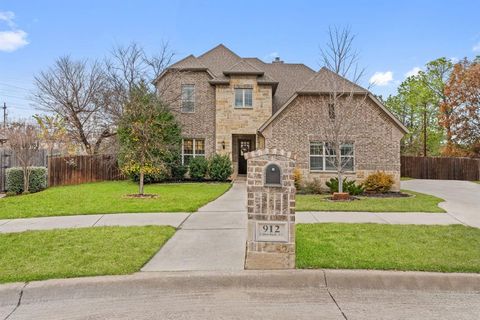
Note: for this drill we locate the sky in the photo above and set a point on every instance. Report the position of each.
(395, 38)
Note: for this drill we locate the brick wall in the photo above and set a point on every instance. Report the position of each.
(376, 139)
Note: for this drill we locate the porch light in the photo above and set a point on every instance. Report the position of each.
(223, 144)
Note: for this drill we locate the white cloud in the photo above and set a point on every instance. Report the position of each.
(8, 16)
(413, 72)
(13, 39)
(476, 48)
(382, 78)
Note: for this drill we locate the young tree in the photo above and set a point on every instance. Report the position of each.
(344, 100)
(52, 131)
(75, 91)
(148, 134)
(24, 141)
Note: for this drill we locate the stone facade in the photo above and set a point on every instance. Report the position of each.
(376, 139)
(199, 124)
(230, 120)
(270, 204)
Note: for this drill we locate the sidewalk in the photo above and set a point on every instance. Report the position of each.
(376, 217)
(211, 239)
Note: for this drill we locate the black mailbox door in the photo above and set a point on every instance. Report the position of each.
(273, 175)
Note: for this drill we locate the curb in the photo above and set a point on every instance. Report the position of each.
(148, 282)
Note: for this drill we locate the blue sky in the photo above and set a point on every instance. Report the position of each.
(393, 38)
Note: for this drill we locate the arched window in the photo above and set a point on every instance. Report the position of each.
(273, 175)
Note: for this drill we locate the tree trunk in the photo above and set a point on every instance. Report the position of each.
(339, 168)
(26, 179)
(140, 185)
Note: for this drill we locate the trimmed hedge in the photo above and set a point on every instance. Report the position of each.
(14, 179)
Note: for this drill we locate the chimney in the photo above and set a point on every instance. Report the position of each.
(277, 60)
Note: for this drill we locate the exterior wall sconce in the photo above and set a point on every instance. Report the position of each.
(223, 144)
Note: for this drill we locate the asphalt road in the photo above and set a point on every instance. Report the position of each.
(296, 295)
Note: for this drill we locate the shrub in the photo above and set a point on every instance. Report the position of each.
(220, 167)
(313, 186)
(297, 178)
(37, 181)
(198, 168)
(349, 186)
(379, 181)
(10, 194)
(178, 172)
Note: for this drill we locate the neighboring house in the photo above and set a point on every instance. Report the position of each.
(231, 105)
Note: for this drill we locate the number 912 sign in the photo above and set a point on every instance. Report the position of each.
(271, 231)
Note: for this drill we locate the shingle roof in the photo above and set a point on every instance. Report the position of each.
(190, 62)
(287, 78)
(326, 80)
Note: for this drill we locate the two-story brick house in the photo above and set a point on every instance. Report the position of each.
(231, 105)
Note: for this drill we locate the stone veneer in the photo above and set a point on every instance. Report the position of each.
(376, 139)
(230, 120)
(273, 204)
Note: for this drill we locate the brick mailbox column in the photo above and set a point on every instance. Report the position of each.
(271, 210)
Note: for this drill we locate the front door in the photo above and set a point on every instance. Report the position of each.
(244, 146)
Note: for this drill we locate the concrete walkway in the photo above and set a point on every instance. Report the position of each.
(211, 239)
(462, 198)
(376, 217)
(94, 220)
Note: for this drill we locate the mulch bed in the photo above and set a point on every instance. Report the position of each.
(141, 196)
(387, 195)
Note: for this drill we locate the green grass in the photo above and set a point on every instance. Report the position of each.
(420, 203)
(406, 178)
(109, 197)
(40, 255)
(389, 247)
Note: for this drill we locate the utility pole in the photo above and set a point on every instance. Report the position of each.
(4, 115)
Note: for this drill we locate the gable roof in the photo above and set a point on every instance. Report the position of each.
(326, 80)
(287, 79)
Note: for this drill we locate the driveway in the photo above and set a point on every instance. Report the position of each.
(462, 198)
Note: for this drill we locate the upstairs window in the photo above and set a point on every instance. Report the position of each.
(243, 98)
(188, 98)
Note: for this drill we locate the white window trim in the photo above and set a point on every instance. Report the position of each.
(193, 98)
(243, 106)
(194, 151)
(324, 156)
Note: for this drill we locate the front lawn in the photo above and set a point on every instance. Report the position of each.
(388, 247)
(109, 197)
(40, 255)
(419, 203)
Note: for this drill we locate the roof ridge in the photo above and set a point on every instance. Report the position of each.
(244, 61)
(221, 45)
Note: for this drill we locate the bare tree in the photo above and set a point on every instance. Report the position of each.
(52, 132)
(24, 141)
(344, 100)
(129, 66)
(76, 91)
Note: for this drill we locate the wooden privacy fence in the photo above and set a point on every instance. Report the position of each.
(81, 169)
(440, 168)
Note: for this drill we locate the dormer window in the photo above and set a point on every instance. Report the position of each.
(243, 98)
